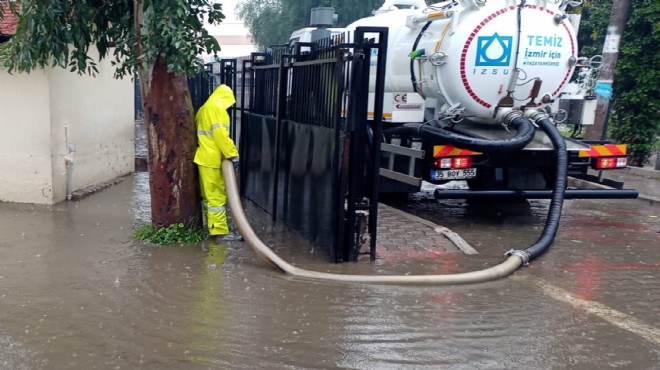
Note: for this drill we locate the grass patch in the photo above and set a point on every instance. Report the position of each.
(173, 234)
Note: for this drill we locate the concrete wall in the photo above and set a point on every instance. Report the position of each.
(25, 157)
(96, 113)
(41, 111)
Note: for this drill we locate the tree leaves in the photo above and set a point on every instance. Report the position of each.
(271, 22)
(593, 26)
(61, 32)
(637, 106)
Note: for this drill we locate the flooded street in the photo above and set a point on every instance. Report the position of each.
(77, 293)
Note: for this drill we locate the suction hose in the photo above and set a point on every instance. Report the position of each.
(522, 125)
(561, 179)
(515, 259)
(267, 255)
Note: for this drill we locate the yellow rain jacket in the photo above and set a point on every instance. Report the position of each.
(213, 139)
(214, 144)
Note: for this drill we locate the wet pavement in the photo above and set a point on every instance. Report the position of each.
(77, 293)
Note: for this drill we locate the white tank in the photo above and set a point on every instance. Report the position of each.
(467, 56)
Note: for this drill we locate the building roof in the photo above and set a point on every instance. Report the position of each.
(8, 21)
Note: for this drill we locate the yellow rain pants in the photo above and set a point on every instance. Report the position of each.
(214, 144)
(214, 199)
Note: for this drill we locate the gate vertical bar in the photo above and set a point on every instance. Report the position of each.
(228, 76)
(247, 78)
(357, 140)
(282, 92)
(338, 195)
(379, 93)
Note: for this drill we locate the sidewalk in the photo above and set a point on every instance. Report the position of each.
(402, 233)
(645, 180)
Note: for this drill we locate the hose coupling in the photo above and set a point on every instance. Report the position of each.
(524, 256)
(536, 115)
(507, 115)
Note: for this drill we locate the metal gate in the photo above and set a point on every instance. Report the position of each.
(309, 155)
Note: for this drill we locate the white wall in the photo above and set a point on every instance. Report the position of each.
(34, 111)
(97, 113)
(25, 158)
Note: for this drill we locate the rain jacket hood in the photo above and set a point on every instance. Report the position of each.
(213, 140)
(223, 97)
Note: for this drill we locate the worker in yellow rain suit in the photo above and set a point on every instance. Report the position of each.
(214, 145)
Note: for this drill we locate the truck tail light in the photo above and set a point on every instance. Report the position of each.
(454, 162)
(605, 163)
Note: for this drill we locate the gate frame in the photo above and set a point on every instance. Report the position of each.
(353, 130)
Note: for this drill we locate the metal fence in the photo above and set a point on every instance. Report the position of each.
(309, 154)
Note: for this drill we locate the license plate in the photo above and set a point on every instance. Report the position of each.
(462, 174)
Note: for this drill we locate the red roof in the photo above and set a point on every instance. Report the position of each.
(8, 21)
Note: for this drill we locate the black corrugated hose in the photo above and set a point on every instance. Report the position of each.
(521, 125)
(557, 202)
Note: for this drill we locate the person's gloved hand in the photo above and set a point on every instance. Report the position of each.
(234, 161)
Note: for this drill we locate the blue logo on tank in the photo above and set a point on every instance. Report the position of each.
(494, 51)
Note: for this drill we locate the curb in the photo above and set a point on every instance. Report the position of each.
(457, 240)
(643, 172)
(81, 194)
(582, 184)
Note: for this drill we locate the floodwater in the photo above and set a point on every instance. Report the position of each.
(77, 293)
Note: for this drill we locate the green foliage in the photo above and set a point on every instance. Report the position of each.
(262, 18)
(350, 11)
(636, 105)
(636, 116)
(593, 26)
(173, 234)
(61, 32)
(271, 22)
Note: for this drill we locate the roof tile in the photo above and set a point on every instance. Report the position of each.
(8, 21)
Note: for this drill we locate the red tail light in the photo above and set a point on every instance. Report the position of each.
(454, 162)
(605, 163)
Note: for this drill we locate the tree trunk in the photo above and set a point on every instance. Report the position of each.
(172, 142)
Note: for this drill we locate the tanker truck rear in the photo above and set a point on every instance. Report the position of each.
(467, 84)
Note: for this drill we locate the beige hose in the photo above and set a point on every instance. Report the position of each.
(267, 255)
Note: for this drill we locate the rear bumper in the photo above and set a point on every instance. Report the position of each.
(537, 194)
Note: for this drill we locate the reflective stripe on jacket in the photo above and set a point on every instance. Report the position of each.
(213, 141)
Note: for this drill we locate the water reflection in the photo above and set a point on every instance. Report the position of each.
(77, 293)
(141, 203)
(209, 313)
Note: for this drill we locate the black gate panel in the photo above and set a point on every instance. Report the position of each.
(257, 154)
(307, 194)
